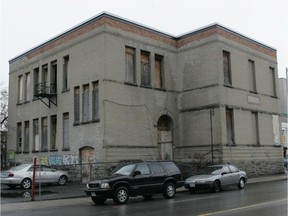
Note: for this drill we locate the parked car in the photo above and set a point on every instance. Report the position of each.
(216, 177)
(141, 178)
(22, 175)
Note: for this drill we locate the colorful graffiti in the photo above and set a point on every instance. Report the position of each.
(56, 160)
(70, 159)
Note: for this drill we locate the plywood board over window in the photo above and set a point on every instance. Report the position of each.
(77, 104)
(36, 134)
(229, 126)
(44, 133)
(19, 137)
(130, 65)
(26, 136)
(95, 101)
(227, 68)
(85, 103)
(158, 71)
(66, 131)
(53, 132)
(145, 69)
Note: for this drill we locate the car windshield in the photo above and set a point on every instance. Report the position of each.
(213, 170)
(125, 170)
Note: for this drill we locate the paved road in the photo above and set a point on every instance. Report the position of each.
(256, 199)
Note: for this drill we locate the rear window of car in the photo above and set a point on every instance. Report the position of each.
(156, 169)
(169, 167)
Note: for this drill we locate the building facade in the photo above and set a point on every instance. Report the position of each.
(284, 114)
(110, 89)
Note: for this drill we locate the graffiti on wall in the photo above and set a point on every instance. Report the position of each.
(56, 160)
(70, 159)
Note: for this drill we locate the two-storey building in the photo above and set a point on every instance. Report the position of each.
(110, 89)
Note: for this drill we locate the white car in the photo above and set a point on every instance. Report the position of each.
(216, 177)
(22, 175)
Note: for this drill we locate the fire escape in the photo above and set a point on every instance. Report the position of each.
(44, 92)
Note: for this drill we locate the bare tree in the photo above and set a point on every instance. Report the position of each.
(3, 108)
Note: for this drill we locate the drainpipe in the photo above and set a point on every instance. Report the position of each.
(211, 132)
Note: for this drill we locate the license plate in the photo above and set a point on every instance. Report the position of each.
(93, 194)
(192, 185)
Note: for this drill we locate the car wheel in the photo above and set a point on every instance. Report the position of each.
(216, 186)
(99, 200)
(241, 184)
(26, 183)
(62, 180)
(169, 191)
(121, 195)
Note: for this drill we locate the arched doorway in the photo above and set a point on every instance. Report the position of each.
(87, 157)
(165, 137)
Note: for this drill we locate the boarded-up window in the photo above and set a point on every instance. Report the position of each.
(36, 80)
(95, 101)
(158, 71)
(53, 132)
(27, 86)
(19, 137)
(85, 103)
(252, 76)
(26, 136)
(229, 126)
(145, 69)
(76, 104)
(20, 88)
(130, 65)
(53, 77)
(255, 128)
(65, 73)
(44, 134)
(273, 81)
(66, 131)
(36, 134)
(227, 68)
(44, 75)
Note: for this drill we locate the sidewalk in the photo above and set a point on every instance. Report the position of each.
(77, 191)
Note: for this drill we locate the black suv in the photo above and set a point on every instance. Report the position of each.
(141, 178)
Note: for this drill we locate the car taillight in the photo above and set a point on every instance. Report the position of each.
(10, 175)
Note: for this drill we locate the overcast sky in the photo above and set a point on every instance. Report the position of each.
(28, 23)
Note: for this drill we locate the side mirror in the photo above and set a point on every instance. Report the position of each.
(137, 172)
(224, 173)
